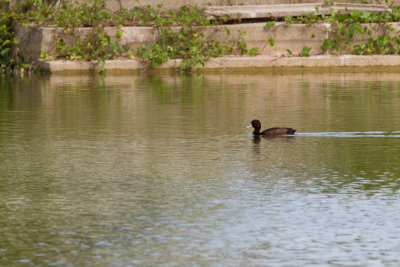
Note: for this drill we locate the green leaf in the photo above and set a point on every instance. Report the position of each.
(269, 24)
(305, 52)
(328, 44)
(271, 41)
(350, 31)
(340, 27)
(119, 33)
(289, 20)
(355, 14)
(359, 28)
(5, 51)
(6, 42)
(366, 16)
(253, 51)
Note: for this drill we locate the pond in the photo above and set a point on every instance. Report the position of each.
(158, 169)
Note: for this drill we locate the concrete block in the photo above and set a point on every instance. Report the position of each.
(132, 37)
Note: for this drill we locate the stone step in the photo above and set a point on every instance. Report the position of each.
(283, 10)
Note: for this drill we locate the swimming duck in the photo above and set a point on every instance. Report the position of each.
(256, 124)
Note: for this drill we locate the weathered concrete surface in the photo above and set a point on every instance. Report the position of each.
(287, 39)
(283, 10)
(232, 62)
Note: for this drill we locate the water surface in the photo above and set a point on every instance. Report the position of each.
(148, 170)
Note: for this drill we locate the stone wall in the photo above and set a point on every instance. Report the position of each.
(288, 40)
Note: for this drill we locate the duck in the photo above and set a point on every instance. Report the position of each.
(256, 124)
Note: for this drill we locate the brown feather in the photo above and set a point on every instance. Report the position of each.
(271, 131)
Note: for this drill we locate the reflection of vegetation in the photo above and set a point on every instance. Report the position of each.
(184, 88)
(334, 165)
(4, 92)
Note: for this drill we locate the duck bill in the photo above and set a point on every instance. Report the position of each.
(248, 126)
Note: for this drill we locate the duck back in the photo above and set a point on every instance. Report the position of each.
(278, 131)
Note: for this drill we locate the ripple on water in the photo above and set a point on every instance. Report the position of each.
(157, 170)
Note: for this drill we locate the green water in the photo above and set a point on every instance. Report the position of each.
(147, 170)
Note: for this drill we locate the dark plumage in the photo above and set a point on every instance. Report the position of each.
(256, 124)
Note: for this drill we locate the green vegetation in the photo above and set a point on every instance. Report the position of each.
(305, 52)
(96, 46)
(9, 60)
(269, 24)
(6, 40)
(271, 41)
(186, 41)
(178, 34)
(382, 38)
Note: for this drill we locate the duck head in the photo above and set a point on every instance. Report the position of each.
(256, 124)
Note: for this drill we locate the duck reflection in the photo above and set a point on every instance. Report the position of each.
(257, 138)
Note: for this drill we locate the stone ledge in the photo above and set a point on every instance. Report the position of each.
(232, 62)
(283, 10)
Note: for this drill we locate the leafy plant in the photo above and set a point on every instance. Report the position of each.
(271, 41)
(6, 40)
(382, 37)
(187, 42)
(305, 52)
(328, 44)
(253, 51)
(97, 46)
(241, 43)
(46, 56)
(269, 24)
(9, 59)
(289, 20)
